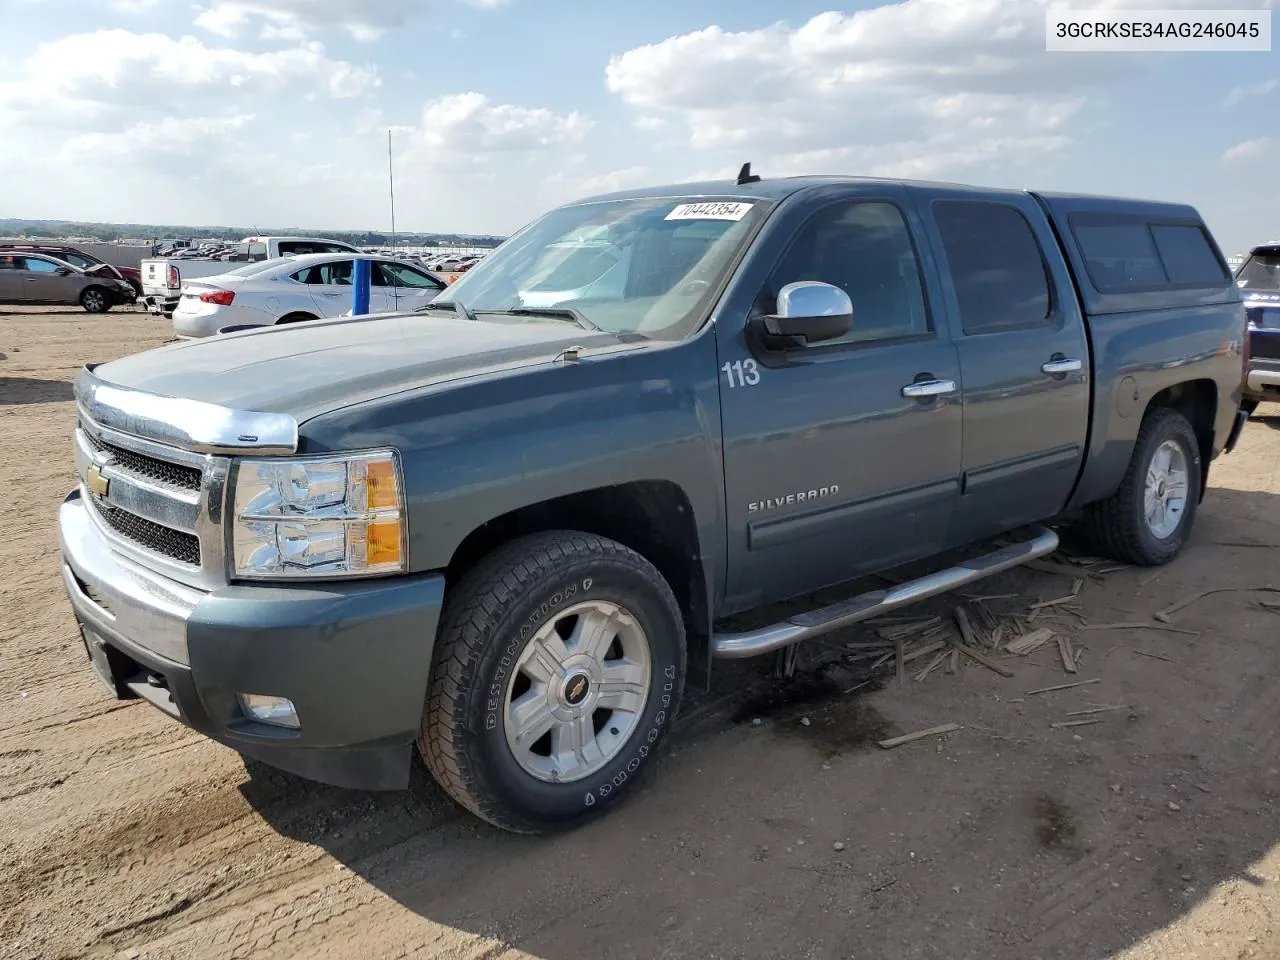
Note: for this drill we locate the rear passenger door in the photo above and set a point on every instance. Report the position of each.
(1024, 358)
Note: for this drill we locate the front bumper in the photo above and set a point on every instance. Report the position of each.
(353, 657)
(161, 304)
(1262, 379)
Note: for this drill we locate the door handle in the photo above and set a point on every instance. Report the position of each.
(30, 279)
(929, 388)
(1060, 366)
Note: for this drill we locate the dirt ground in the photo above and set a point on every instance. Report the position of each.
(1151, 833)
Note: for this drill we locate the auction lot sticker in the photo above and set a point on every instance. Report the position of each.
(717, 210)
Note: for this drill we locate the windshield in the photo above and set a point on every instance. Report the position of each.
(1260, 272)
(646, 266)
(78, 260)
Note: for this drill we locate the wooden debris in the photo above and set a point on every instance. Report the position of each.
(904, 630)
(997, 636)
(1166, 615)
(1067, 654)
(1075, 723)
(1141, 626)
(966, 630)
(1092, 710)
(933, 664)
(924, 651)
(1271, 605)
(1069, 598)
(901, 670)
(1029, 642)
(1113, 568)
(1155, 656)
(953, 665)
(983, 598)
(1064, 686)
(919, 735)
(1151, 578)
(981, 658)
(1060, 569)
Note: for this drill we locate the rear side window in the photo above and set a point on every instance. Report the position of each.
(1120, 256)
(996, 265)
(1187, 256)
(1125, 254)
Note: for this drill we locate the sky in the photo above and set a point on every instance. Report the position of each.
(276, 112)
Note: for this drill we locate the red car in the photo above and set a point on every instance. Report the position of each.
(78, 258)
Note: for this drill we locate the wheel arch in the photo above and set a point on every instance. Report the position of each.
(653, 517)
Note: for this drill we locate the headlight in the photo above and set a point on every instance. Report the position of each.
(324, 517)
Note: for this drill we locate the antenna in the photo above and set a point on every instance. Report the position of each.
(746, 176)
(391, 181)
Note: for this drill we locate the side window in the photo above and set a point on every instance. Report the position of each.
(864, 248)
(257, 251)
(9, 262)
(380, 276)
(289, 248)
(36, 265)
(337, 273)
(1119, 255)
(401, 275)
(996, 265)
(1187, 256)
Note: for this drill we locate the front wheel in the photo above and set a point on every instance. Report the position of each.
(1147, 521)
(557, 672)
(95, 300)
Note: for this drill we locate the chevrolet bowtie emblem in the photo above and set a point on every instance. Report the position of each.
(95, 481)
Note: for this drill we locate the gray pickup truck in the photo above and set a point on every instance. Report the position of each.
(502, 529)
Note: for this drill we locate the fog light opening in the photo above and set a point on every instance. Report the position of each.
(277, 711)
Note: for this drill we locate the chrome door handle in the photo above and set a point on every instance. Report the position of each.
(929, 388)
(1060, 366)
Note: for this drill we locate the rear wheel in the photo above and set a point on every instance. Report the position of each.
(296, 318)
(557, 672)
(95, 300)
(1148, 520)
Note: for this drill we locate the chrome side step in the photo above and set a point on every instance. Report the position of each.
(735, 646)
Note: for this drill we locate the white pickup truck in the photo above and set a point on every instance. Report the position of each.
(163, 277)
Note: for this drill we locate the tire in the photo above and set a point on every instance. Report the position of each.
(1249, 405)
(1119, 526)
(296, 318)
(95, 300)
(525, 590)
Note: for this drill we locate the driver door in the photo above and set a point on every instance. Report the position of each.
(42, 283)
(836, 464)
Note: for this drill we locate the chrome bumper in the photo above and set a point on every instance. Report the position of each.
(1258, 379)
(116, 596)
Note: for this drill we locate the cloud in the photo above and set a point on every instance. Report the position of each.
(178, 136)
(1246, 150)
(296, 19)
(920, 87)
(1237, 95)
(468, 131)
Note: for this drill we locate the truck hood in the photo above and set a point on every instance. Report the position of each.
(311, 368)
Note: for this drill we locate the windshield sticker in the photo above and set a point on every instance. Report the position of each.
(709, 211)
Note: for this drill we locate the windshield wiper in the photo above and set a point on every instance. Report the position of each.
(455, 306)
(558, 313)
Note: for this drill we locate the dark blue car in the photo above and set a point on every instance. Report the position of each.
(1259, 282)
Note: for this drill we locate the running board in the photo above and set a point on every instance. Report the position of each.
(735, 646)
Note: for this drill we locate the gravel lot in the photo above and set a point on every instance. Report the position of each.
(1152, 833)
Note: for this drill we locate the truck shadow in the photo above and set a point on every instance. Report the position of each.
(15, 391)
(1009, 839)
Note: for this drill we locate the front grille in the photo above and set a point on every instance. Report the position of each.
(174, 544)
(172, 475)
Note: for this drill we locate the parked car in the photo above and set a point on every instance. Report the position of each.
(85, 261)
(291, 289)
(163, 277)
(38, 278)
(1258, 278)
(501, 534)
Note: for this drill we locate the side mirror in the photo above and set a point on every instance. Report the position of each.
(63, 272)
(810, 311)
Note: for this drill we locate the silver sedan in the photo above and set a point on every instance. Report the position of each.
(294, 289)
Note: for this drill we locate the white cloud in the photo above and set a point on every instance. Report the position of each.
(467, 130)
(1237, 95)
(920, 87)
(295, 19)
(183, 136)
(1246, 150)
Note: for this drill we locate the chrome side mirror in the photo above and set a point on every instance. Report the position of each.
(810, 311)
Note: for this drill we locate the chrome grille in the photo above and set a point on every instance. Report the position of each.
(150, 469)
(174, 544)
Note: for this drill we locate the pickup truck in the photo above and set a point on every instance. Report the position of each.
(1258, 278)
(163, 277)
(503, 534)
